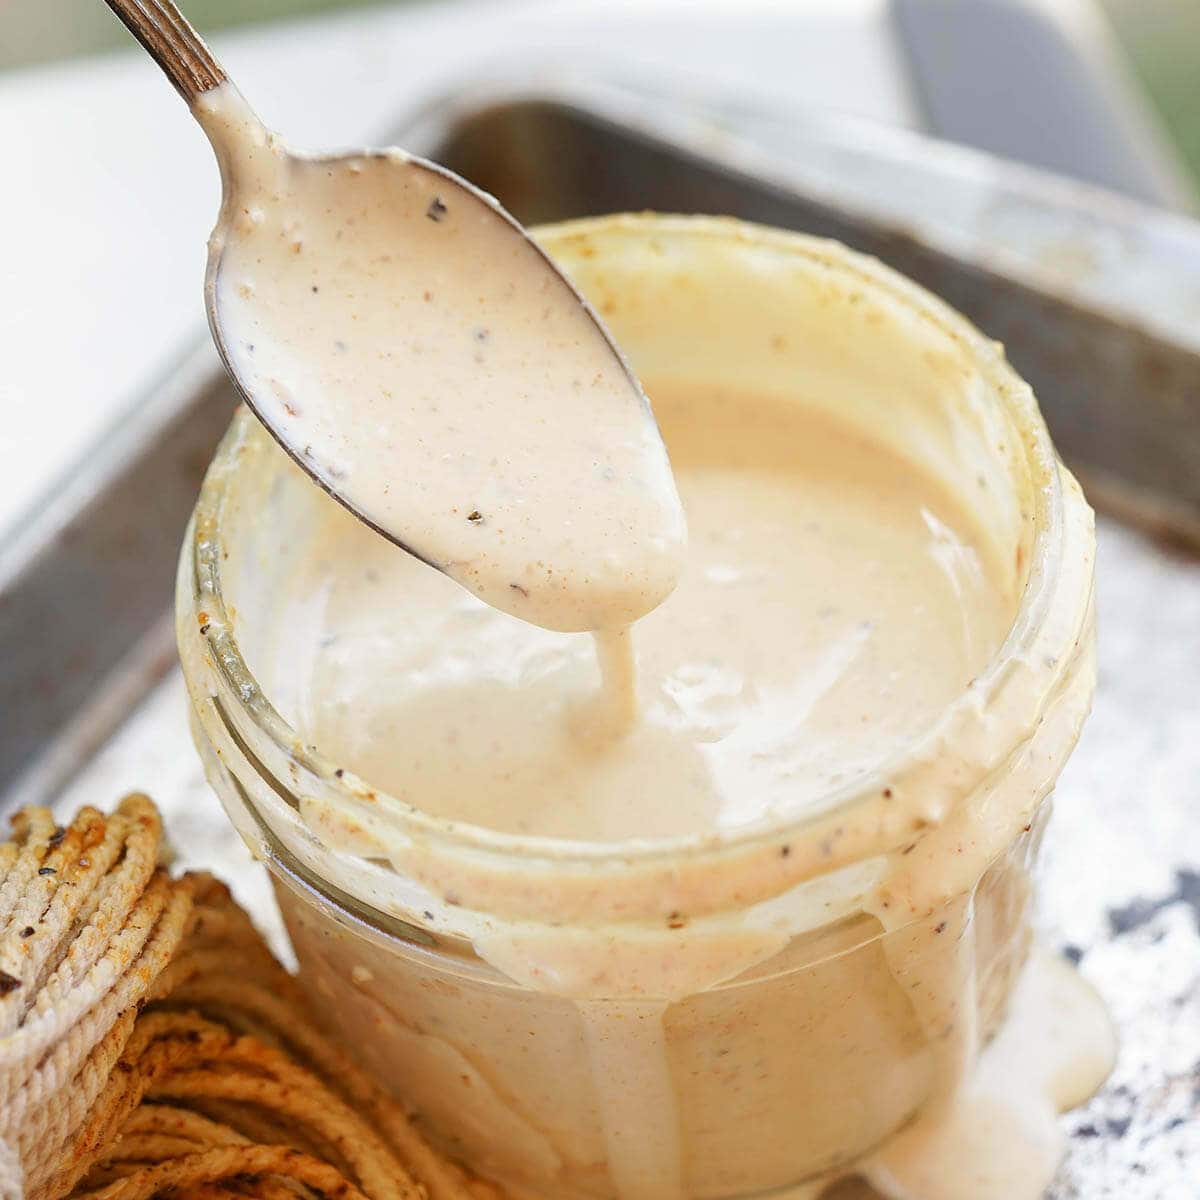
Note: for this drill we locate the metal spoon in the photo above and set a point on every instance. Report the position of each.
(416, 353)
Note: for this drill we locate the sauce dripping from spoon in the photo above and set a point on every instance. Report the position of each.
(417, 354)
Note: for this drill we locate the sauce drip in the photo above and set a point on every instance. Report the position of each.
(995, 1137)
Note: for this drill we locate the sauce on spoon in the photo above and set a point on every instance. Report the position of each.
(404, 339)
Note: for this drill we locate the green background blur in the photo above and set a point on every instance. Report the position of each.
(1161, 37)
(35, 31)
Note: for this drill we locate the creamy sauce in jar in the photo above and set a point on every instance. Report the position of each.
(724, 1023)
(834, 600)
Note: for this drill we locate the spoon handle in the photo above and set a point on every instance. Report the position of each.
(165, 33)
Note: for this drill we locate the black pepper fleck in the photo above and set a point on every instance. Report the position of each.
(475, 516)
(57, 836)
(437, 209)
(784, 851)
(1118, 1127)
(27, 932)
(47, 871)
(340, 772)
(204, 629)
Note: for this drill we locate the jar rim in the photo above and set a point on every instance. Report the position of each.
(1039, 591)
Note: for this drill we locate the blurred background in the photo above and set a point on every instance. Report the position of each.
(1160, 37)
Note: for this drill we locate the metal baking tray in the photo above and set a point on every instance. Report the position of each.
(1098, 302)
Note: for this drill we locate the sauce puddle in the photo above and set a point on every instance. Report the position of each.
(996, 1135)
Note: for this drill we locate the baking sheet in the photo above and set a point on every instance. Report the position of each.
(1121, 886)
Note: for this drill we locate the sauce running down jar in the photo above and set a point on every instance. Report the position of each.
(754, 996)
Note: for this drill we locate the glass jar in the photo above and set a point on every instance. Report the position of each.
(774, 1001)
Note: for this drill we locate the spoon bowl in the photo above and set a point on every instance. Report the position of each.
(418, 356)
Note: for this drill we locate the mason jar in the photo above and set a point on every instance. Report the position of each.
(772, 1001)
